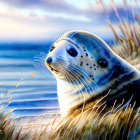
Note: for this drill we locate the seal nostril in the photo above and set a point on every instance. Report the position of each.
(49, 60)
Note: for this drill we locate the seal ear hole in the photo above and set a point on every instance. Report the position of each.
(103, 63)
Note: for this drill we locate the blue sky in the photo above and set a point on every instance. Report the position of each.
(36, 20)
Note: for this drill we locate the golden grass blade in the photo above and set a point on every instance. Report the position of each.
(33, 74)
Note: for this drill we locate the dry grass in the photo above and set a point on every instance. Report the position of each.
(8, 127)
(89, 122)
(93, 123)
(127, 39)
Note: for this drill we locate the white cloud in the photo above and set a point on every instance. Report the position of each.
(39, 25)
(32, 22)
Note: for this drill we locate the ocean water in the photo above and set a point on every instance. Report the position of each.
(34, 95)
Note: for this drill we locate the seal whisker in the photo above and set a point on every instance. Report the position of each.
(78, 70)
(87, 82)
(38, 63)
(82, 71)
(79, 90)
(69, 78)
(75, 75)
(85, 78)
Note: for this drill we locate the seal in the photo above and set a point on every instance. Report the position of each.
(86, 69)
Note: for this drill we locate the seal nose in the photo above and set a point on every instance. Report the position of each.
(49, 60)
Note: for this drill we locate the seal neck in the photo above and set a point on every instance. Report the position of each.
(70, 95)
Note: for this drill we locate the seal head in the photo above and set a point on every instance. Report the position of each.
(85, 67)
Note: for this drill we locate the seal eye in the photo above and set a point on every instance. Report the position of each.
(103, 63)
(72, 51)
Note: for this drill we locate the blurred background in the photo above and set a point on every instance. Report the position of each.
(28, 28)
